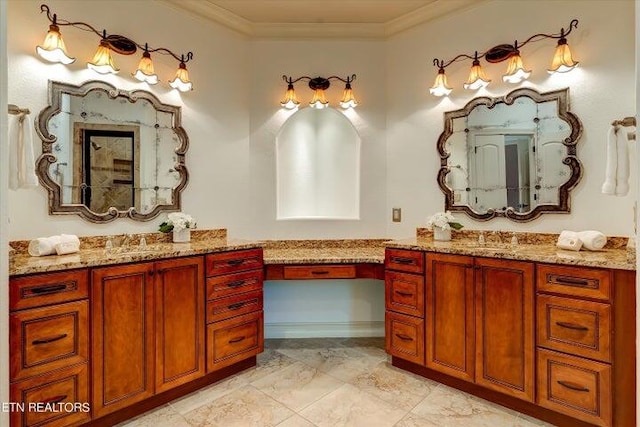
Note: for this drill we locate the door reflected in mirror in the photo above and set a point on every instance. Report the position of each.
(513, 156)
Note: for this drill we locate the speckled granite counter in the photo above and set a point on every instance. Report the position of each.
(324, 251)
(93, 254)
(539, 247)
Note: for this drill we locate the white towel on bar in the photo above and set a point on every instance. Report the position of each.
(617, 169)
(22, 162)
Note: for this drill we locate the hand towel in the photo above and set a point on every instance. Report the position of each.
(609, 186)
(592, 240)
(569, 240)
(21, 154)
(47, 245)
(622, 169)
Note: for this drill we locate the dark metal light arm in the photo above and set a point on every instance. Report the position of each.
(318, 81)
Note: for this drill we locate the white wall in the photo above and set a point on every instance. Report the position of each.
(601, 91)
(215, 114)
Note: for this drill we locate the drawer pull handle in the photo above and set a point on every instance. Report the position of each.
(49, 340)
(572, 281)
(41, 290)
(402, 260)
(572, 386)
(404, 337)
(236, 284)
(235, 261)
(235, 306)
(320, 272)
(235, 340)
(572, 326)
(404, 294)
(55, 399)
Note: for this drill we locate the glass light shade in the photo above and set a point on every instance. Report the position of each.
(145, 71)
(319, 101)
(102, 62)
(515, 70)
(181, 81)
(477, 79)
(348, 100)
(290, 100)
(440, 86)
(562, 60)
(53, 49)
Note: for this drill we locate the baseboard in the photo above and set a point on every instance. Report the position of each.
(324, 330)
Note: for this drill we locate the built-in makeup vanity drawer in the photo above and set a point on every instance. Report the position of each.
(305, 272)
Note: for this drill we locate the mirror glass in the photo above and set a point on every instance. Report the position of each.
(109, 153)
(513, 156)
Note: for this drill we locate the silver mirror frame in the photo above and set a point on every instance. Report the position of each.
(571, 159)
(56, 207)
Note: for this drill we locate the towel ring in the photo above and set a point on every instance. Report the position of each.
(626, 122)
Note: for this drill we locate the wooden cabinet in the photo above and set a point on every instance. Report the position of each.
(586, 335)
(450, 321)
(49, 348)
(148, 330)
(122, 307)
(505, 344)
(235, 329)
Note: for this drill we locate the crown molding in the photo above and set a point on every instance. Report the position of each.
(212, 12)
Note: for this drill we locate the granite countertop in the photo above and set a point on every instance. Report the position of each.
(324, 251)
(538, 247)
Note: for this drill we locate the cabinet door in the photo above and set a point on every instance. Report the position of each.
(122, 341)
(180, 324)
(450, 316)
(505, 326)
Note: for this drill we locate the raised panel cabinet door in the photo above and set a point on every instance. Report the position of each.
(450, 334)
(180, 323)
(505, 325)
(122, 342)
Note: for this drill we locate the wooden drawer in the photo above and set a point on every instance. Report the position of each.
(405, 337)
(403, 260)
(575, 326)
(233, 340)
(235, 305)
(50, 288)
(405, 293)
(320, 272)
(232, 284)
(48, 338)
(66, 389)
(574, 386)
(231, 262)
(575, 281)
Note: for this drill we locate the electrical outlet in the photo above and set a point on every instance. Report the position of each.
(396, 215)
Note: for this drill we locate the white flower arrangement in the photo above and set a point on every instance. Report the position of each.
(443, 220)
(177, 221)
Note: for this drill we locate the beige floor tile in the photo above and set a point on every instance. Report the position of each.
(297, 386)
(413, 420)
(243, 407)
(268, 362)
(208, 394)
(395, 386)
(164, 416)
(296, 421)
(449, 407)
(351, 407)
(287, 343)
(526, 421)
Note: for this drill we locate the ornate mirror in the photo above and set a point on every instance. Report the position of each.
(511, 157)
(109, 153)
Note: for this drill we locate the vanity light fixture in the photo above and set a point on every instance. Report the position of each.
(516, 73)
(54, 50)
(145, 71)
(319, 85)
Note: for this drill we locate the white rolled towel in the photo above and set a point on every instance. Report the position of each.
(592, 240)
(569, 240)
(609, 186)
(47, 245)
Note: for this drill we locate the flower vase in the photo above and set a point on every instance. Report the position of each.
(182, 236)
(441, 234)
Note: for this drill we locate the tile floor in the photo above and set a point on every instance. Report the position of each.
(329, 383)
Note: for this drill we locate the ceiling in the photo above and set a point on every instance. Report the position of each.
(321, 18)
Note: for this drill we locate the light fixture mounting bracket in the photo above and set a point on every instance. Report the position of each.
(319, 83)
(500, 53)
